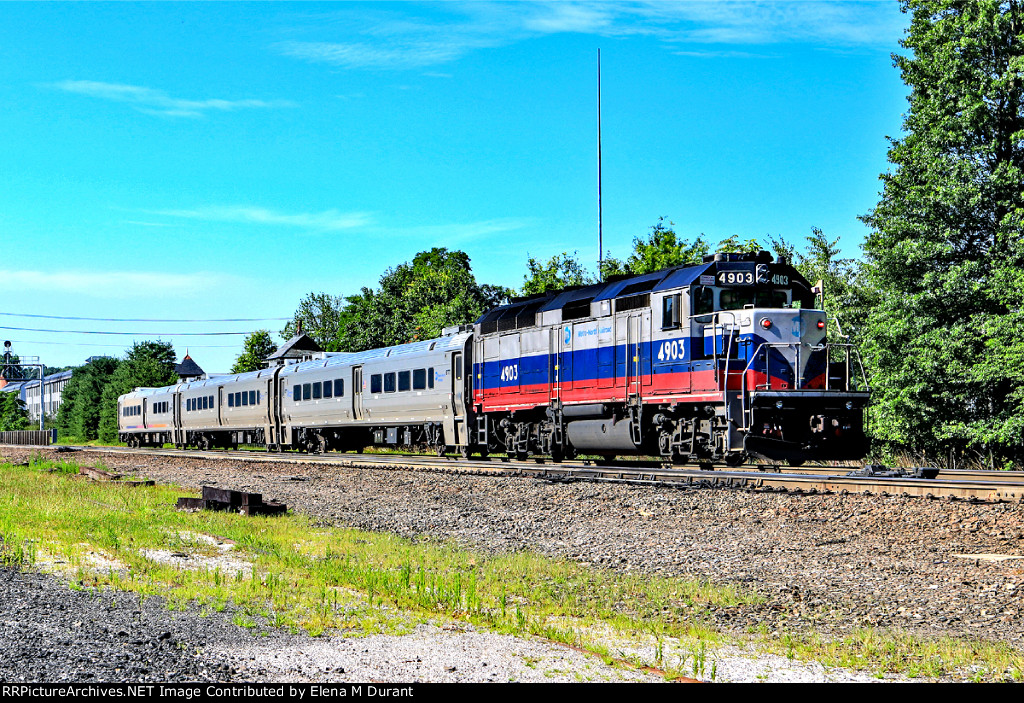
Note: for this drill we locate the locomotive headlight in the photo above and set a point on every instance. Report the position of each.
(849, 405)
(778, 404)
(766, 323)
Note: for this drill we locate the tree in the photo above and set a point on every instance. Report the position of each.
(662, 248)
(13, 414)
(560, 271)
(146, 365)
(946, 338)
(79, 413)
(321, 318)
(258, 346)
(415, 300)
(733, 245)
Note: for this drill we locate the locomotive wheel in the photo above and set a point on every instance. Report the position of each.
(203, 443)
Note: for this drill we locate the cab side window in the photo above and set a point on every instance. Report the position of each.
(670, 311)
(703, 300)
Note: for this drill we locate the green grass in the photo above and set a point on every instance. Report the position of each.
(882, 652)
(289, 572)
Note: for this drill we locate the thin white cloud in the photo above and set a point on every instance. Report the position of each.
(363, 55)
(157, 102)
(399, 39)
(328, 220)
(446, 234)
(110, 284)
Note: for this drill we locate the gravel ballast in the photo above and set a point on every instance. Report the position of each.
(827, 563)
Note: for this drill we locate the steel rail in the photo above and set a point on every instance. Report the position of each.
(988, 489)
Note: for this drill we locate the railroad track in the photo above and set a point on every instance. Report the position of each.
(959, 484)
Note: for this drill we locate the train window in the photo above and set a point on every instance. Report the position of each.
(339, 387)
(307, 391)
(316, 390)
(389, 382)
(703, 300)
(430, 377)
(252, 397)
(375, 383)
(670, 311)
(735, 299)
(231, 400)
(419, 379)
(245, 398)
(404, 383)
(458, 367)
(296, 393)
(327, 389)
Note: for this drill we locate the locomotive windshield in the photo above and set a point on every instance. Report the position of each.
(707, 299)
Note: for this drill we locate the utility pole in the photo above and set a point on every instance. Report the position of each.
(600, 213)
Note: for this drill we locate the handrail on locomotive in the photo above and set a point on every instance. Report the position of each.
(722, 364)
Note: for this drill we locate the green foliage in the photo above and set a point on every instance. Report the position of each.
(560, 271)
(258, 346)
(13, 415)
(662, 248)
(146, 365)
(79, 412)
(944, 341)
(415, 300)
(733, 245)
(321, 315)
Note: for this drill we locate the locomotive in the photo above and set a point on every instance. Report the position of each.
(723, 361)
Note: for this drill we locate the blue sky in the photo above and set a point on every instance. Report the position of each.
(208, 161)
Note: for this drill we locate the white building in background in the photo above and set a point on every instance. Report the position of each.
(28, 391)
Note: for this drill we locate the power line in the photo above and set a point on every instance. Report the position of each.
(143, 319)
(117, 346)
(132, 334)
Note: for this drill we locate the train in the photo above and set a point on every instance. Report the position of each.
(726, 361)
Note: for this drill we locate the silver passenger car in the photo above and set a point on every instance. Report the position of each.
(411, 394)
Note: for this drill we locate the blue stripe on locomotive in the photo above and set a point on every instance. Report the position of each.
(610, 362)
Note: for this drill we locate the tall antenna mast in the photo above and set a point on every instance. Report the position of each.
(600, 213)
